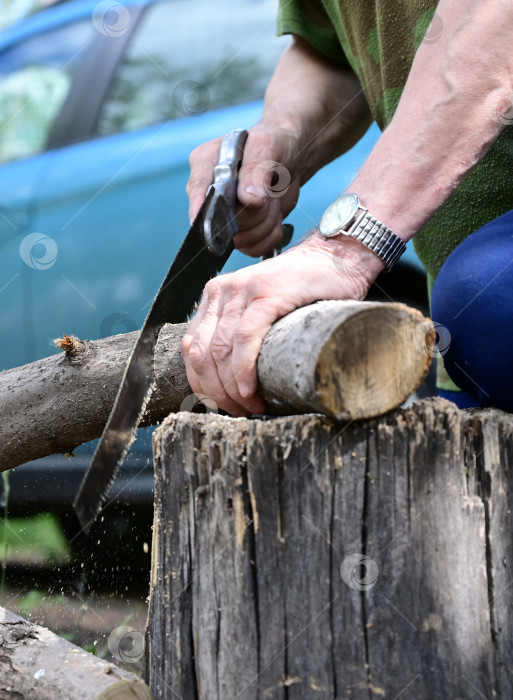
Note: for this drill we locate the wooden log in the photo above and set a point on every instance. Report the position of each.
(347, 359)
(305, 558)
(36, 664)
(343, 358)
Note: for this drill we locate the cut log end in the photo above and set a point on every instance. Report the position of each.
(373, 361)
(136, 690)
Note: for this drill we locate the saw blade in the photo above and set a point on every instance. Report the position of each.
(193, 266)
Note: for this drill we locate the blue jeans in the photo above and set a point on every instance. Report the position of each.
(472, 298)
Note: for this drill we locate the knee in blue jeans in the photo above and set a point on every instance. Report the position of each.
(473, 299)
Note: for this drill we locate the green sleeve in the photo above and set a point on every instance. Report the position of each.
(311, 23)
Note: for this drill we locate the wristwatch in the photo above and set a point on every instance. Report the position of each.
(347, 216)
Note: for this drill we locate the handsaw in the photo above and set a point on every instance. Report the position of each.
(201, 257)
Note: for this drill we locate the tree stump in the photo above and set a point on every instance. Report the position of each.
(303, 557)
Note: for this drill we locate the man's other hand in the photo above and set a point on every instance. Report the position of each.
(222, 342)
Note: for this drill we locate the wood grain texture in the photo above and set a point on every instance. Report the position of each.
(36, 664)
(346, 359)
(262, 526)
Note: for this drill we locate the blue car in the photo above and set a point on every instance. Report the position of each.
(101, 105)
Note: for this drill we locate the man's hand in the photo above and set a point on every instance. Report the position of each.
(223, 340)
(268, 186)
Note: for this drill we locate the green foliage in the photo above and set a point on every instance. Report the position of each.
(38, 538)
(90, 648)
(28, 602)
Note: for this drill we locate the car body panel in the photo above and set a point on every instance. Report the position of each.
(56, 16)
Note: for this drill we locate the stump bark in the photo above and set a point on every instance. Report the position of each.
(303, 557)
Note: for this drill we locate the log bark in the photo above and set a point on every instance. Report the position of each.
(347, 359)
(36, 664)
(305, 558)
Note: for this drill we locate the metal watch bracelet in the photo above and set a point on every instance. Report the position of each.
(377, 237)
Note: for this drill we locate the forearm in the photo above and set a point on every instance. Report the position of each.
(322, 104)
(448, 116)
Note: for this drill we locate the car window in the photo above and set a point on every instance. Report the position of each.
(35, 76)
(189, 56)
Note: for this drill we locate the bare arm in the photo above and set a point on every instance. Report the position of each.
(317, 101)
(448, 117)
(313, 112)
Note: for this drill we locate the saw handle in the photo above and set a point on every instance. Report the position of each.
(220, 224)
(221, 220)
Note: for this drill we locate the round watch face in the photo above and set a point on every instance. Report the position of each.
(339, 215)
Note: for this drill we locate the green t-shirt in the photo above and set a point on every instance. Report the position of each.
(378, 41)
